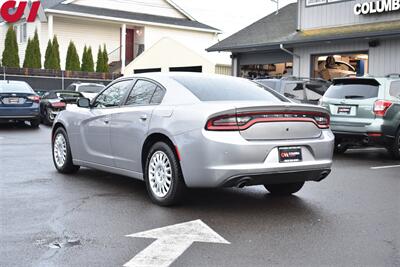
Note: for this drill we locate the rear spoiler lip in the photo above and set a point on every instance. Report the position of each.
(362, 81)
(283, 108)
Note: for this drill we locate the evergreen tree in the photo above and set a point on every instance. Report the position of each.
(90, 64)
(36, 55)
(72, 61)
(10, 54)
(47, 57)
(105, 59)
(55, 54)
(28, 55)
(84, 59)
(100, 61)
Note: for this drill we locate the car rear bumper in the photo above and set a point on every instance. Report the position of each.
(377, 138)
(19, 113)
(220, 159)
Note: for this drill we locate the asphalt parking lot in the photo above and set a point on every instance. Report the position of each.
(48, 219)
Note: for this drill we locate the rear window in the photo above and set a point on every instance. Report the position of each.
(352, 91)
(13, 87)
(90, 88)
(69, 95)
(225, 89)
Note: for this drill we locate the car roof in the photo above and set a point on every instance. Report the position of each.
(14, 82)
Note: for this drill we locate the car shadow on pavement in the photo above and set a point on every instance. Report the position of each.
(373, 154)
(249, 201)
(17, 126)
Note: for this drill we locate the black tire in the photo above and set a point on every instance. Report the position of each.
(177, 187)
(68, 167)
(35, 123)
(46, 118)
(394, 149)
(284, 189)
(340, 148)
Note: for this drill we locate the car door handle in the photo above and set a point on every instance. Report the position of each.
(143, 117)
(106, 121)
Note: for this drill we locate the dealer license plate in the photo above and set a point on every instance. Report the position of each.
(290, 154)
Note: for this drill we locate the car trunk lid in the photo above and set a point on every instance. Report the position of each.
(264, 121)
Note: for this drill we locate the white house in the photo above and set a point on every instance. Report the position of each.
(129, 29)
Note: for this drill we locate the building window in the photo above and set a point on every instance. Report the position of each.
(315, 2)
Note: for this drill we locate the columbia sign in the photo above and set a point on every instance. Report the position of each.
(376, 7)
(12, 12)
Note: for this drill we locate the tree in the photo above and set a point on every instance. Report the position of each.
(28, 55)
(72, 61)
(55, 54)
(100, 61)
(90, 60)
(47, 56)
(87, 60)
(84, 59)
(10, 54)
(36, 55)
(105, 59)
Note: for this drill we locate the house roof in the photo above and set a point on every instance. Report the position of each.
(272, 28)
(276, 29)
(80, 10)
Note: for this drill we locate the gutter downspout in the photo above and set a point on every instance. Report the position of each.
(291, 53)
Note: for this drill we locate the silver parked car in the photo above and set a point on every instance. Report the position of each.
(180, 130)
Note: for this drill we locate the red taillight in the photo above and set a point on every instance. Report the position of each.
(58, 105)
(243, 121)
(34, 98)
(381, 107)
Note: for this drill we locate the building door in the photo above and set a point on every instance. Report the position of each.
(129, 45)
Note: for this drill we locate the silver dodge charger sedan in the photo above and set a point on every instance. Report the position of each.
(186, 130)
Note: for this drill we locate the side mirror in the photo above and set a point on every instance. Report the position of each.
(83, 102)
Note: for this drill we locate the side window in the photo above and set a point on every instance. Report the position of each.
(113, 95)
(294, 91)
(157, 96)
(395, 89)
(141, 93)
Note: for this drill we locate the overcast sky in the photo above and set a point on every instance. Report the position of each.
(229, 15)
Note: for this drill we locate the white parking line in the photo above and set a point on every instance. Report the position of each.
(385, 167)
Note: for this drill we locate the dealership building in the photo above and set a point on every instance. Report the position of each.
(363, 37)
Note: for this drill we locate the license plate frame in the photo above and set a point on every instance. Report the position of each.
(290, 154)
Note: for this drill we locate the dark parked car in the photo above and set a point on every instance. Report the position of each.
(300, 90)
(55, 101)
(19, 103)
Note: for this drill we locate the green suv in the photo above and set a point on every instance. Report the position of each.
(365, 112)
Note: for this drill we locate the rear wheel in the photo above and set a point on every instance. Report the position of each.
(35, 123)
(47, 119)
(395, 148)
(62, 156)
(163, 175)
(340, 148)
(284, 189)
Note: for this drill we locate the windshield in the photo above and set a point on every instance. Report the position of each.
(16, 87)
(218, 88)
(90, 88)
(352, 91)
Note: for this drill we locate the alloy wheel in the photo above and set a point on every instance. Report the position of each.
(160, 174)
(60, 150)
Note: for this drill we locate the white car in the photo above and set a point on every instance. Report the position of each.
(88, 90)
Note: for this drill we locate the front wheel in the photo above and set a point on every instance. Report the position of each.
(284, 189)
(394, 149)
(163, 175)
(62, 156)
